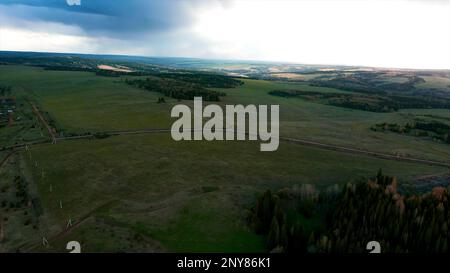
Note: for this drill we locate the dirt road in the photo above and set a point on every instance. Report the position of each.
(50, 130)
(304, 142)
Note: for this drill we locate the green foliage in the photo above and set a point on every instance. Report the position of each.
(375, 210)
(361, 213)
(373, 102)
(207, 80)
(176, 89)
(5, 90)
(21, 191)
(436, 130)
(368, 82)
(286, 217)
(160, 176)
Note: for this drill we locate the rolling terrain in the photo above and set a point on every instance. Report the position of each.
(114, 180)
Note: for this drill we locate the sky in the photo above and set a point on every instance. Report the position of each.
(382, 33)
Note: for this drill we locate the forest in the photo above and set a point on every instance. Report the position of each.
(369, 82)
(176, 89)
(368, 102)
(371, 103)
(207, 80)
(304, 219)
(419, 128)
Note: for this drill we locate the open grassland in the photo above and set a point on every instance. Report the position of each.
(341, 126)
(149, 193)
(188, 196)
(83, 102)
(435, 82)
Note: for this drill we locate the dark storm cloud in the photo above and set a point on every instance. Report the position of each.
(111, 18)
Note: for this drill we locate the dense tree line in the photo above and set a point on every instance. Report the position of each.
(97, 71)
(404, 95)
(21, 191)
(372, 103)
(176, 85)
(176, 89)
(368, 102)
(401, 224)
(420, 102)
(66, 68)
(22, 198)
(369, 82)
(380, 105)
(432, 129)
(349, 219)
(207, 80)
(346, 85)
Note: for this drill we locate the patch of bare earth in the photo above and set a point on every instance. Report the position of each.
(113, 68)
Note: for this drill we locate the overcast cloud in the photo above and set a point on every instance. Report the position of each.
(375, 33)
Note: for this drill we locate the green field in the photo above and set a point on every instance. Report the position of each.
(88, 103)
(435, 82)
(330, 124)
(180, 193)
(149, 193)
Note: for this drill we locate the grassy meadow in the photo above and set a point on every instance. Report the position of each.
(150, 193)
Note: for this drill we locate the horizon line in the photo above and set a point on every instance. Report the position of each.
(231, 60)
